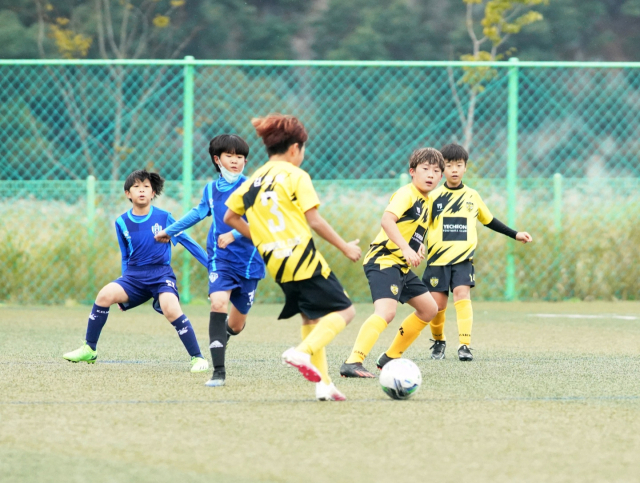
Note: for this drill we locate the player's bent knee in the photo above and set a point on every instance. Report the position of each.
(105, 298)
(219, 306)
(427, 314)
(387, 315)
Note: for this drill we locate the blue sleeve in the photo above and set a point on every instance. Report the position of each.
(236, 234)
(194, 216)
(123, 248)
(190, 244)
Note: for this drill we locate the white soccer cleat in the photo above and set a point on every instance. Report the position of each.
(302, 362)
(199, 364)
(328, 392)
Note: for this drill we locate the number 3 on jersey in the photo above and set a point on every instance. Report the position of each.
(273, 196)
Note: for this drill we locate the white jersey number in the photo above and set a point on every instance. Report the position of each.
(273, 196)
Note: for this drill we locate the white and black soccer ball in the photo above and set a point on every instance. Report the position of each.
(400, 379)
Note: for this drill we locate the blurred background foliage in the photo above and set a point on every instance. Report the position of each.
(317, 29)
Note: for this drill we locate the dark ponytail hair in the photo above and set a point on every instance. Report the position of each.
(141, 175)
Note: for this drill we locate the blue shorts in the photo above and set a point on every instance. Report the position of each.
(143, 283)
(242, 289)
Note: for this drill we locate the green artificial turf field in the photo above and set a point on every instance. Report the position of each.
(550, 398)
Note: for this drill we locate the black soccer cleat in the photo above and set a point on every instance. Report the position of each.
(355, 369)
(217, 379)
(383, 359)
(464, 353)
(437, 349)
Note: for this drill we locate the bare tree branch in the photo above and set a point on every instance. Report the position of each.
(40, 29)
(123, 30)
(456, 97)
(469, 23)
(109, 25)
(142, 41)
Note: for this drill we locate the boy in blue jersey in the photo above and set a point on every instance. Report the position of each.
(235, 266)
(146, 270)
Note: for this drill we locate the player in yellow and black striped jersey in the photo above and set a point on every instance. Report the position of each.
(281, 207)
(451, 244)
(398, 247)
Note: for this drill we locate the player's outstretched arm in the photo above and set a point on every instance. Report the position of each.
(497, 226)
(351, 250)
(194, 216)
(193, 247)
(235, 221)
(390, 227)
(190, 244)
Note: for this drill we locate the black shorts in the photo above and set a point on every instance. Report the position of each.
(447, 277)
(391, 283)
(314, 297)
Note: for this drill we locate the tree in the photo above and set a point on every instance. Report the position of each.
(117, 30)
(502, 19)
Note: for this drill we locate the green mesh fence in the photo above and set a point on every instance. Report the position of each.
(554, 151)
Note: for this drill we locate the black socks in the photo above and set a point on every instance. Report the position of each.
(217, 338)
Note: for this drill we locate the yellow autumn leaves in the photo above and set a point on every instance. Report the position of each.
(70, 44)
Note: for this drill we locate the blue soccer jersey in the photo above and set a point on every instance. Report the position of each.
(240, 256)
(138, 245)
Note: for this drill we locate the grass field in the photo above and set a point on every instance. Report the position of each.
(553, 398)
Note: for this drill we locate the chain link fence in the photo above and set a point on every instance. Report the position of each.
(554, 150)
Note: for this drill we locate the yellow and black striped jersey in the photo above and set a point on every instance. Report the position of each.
(452, 236)
(275, 200)
(412, 209)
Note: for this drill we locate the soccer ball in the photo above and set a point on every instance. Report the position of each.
(400, 379)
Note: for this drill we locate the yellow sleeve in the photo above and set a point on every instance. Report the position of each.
(235, 202)
(305, 193)
(484, 215)
(400, 202)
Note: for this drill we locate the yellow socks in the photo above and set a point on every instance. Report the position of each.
(367, 337)
(464, 313)
(326, 329)
(408, 332)
(437, 326)
(318, 359)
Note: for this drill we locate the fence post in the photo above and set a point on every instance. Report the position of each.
(403, 180)
(187, 169)
(512, 174)
(557, 202)
(91, 230)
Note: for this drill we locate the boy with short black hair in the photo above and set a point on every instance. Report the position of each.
(235, 266)
(451, 245)
(398, 247)
(146, 270)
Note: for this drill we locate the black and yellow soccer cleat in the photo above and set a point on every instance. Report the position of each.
(464, 353)
(437, 349)
(355, 369)
(382, 360)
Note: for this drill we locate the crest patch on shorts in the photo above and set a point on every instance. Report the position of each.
(433, 281)
(394, 289)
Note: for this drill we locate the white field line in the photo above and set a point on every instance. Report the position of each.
(585, 316)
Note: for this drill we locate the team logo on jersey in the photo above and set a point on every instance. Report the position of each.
(394, 289)
(433, 281)
(156, 229)
(469, 206)
(418, 209)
